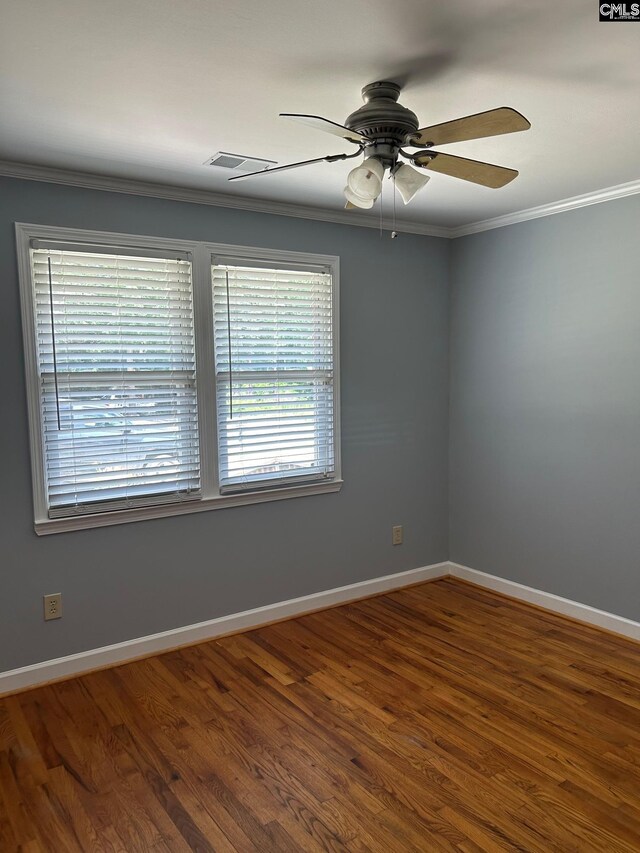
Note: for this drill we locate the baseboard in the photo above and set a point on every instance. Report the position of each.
(46, 672)
(549, 601)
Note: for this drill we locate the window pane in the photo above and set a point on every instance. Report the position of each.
(273, 332)
(117, 371)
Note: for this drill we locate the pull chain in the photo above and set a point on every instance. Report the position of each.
(394, 233)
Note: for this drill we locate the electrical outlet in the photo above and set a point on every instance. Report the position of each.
(52, 606)
(396, 534)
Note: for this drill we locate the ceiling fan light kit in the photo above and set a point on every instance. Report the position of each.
(354, 200)
(383, 129)
(408, 181)
(365, 181)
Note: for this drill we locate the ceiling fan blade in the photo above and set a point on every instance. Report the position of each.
(475, 171)
(489, 123)
(330, 159)
(319, 123)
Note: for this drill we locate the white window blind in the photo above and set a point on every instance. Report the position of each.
(274, 356)
(115, 352)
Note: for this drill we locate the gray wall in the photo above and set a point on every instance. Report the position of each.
(544, 434)
(130, 580)
(545, 404)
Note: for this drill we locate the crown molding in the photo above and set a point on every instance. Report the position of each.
(30, 172)
(562, 206)
(85, 180)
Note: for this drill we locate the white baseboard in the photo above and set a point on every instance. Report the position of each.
(70, 665)
(555, 603)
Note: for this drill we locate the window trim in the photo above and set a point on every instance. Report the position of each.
(202, 254)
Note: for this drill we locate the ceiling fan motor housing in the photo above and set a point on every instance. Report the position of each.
(383, 121)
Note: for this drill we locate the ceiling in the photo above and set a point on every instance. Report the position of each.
(149, 89)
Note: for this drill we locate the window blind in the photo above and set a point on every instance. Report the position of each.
(273, 339)
(116, 361)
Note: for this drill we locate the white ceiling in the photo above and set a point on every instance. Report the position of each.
(148, 89)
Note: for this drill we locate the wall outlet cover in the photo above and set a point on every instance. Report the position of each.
(52, 606)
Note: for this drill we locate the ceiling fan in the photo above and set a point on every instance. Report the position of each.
(383, 126)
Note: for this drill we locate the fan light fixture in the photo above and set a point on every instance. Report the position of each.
(365, 181)
(408, 181)
(356, 200)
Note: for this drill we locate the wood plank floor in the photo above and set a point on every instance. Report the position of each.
(437, 718)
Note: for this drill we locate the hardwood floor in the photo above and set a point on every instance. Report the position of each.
(440, 717)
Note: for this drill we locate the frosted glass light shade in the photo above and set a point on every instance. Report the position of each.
(354, 199)
(409, 181)
(366, 180)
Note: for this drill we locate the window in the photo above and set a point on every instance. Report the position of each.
(274, 374)
(172, 376)
(116, 370)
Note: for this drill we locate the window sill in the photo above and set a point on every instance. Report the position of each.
(46, 526)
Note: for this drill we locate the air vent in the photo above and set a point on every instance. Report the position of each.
(238, 163)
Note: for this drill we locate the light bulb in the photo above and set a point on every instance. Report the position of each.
(366, 180)
(409, 181)
(356, 200)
